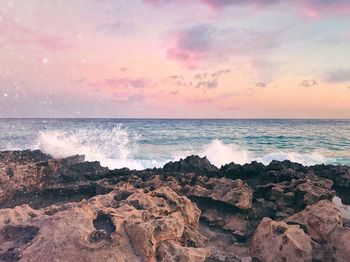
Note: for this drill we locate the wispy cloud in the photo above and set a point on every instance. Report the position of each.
(338, 76)
(121, 83)
(113, 29)
(14, 33)
(199, 100)
(204, 80)
(261, 84)
(310, 8)
(308, 83)
(207, 42)
(208, 84)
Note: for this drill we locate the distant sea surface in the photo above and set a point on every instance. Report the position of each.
(147, 143)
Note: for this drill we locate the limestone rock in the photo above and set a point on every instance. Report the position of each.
(320, 219)
(278, 242)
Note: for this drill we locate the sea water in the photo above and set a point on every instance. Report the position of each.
(147, 143)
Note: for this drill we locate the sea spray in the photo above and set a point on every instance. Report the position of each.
(139, 144)
(112, 147)
(116, 148)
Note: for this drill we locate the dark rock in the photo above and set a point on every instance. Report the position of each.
(82, 171)
(23, 156)
(187, 211)
(72, 160)
(193, 164)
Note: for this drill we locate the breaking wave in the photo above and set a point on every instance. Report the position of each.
(117, 148)
(220, 154)
(112, 147)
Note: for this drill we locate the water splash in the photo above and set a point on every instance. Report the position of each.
(221, 154)
(117, 148)
(112, 147)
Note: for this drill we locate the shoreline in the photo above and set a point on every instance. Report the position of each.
(189, 210)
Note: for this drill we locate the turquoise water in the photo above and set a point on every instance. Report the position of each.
(147, 143)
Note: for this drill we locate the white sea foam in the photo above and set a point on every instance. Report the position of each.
(112, 147)
(116, 148)
(220, 154)
(305, 159)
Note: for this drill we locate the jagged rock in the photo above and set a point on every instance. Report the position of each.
(103, 228)
(68, 209)
(193, 164)
(340, 175)
(23, 170)
(276, 241)
(82, 171)
(24, 156)
(232, 192)
(290, 197)
(339, 244)
(319, 220)
(234, 223)
(31, 177)
(170, 251)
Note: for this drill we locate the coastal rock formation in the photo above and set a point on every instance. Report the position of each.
(71, 210)
(319, 220)
(104, 228)
(276, 241)
(231, 192)
(191, 164)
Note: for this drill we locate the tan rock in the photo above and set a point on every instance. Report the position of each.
(232, 192)
(340, 244)
(104, 228)
(278, 242)
(170, 251)
(320, 219)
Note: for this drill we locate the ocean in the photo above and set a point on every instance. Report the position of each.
(148, 143)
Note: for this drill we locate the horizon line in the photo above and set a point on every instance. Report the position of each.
(164, 118)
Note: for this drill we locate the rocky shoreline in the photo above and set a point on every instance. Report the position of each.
(72, 210)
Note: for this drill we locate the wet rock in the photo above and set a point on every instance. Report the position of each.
(187, 211)
(340, 175)
(193, 164)
(246, 171)
(82, 171)
(72, 160)
(23, 171)
(24, 156)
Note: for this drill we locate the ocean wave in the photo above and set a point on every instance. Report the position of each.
(221, 154)
(116, 148)
(112, 147)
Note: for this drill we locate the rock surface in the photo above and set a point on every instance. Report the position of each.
(276, 242)
(71, 210)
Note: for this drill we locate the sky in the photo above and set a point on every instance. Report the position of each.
(175, 58)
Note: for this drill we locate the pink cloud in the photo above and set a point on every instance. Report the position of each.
(17, 34)
(189, 58)
(196, 45)
(191, 46)
(121, 83)
(199, 101)
(319, 8)
(228, 108)
(310, 8)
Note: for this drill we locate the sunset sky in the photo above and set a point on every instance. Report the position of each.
(175, 58)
